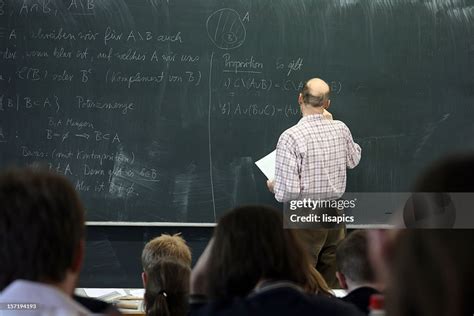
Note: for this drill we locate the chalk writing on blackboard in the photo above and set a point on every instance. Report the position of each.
(225, 29)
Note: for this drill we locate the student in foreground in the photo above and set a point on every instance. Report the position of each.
(166, 262)
(167, 288)
(253, 266)
(429, 272)
(355, 273)
(42, 243)
(163, 246)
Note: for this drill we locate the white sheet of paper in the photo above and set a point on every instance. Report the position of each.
(105, 294)
(137, 292)
(97, 292)
(267, 165)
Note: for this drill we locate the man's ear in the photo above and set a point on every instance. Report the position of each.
(327, 104)
(78, 257)
(300, 99)
(144, 278)
(342, 280)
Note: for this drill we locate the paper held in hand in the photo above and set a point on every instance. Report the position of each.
(267, 165)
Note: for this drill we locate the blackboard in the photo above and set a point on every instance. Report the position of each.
(113, 253)
(157, 109)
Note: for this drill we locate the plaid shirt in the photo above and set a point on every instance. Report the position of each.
(312, 157)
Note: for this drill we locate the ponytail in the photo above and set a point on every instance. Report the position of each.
(167, 288)
(158, 305)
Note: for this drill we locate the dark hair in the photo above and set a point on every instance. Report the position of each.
(432, 268)
(250, 244)
(431, 205)
(451, 174)
(313, 100)
(352, 258)
(41, 226)
(167, 288)
(432, 273)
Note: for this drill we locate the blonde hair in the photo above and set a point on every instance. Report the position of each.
(173, 246)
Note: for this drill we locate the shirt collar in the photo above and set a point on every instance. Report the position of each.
(43, 294)
(312, 117)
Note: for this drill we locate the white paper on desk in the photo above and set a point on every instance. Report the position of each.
(267, 165)
(105, 294)
(137, 292)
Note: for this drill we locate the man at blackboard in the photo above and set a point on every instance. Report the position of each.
(311, 162)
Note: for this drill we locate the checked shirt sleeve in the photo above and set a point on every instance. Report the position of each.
(353, 150)
(287, 166)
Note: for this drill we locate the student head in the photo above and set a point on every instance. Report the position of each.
(167, 288)
(41, 229)
(432, 273)
(314, 97)
(354, 268)
(434, 264)
(173, 246)
(454, 173)
(432, 206)
(249, 246)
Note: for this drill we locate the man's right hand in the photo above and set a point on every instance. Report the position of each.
(327, 115)
(271, 185)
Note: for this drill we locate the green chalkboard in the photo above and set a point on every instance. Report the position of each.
(157, 109)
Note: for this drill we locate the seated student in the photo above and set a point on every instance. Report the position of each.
(165, 246)
(42, 242)
(253, 266)
(431, 273)
(355, 273)
(430, 270)
(166, 262)
(167, 288)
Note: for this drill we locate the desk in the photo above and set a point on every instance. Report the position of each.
(113, 296)
(127, 300)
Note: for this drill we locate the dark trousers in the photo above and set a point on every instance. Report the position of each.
(321, 244)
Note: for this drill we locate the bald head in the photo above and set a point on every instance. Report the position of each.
(315, 93)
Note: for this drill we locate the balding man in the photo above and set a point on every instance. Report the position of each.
(311, 162)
